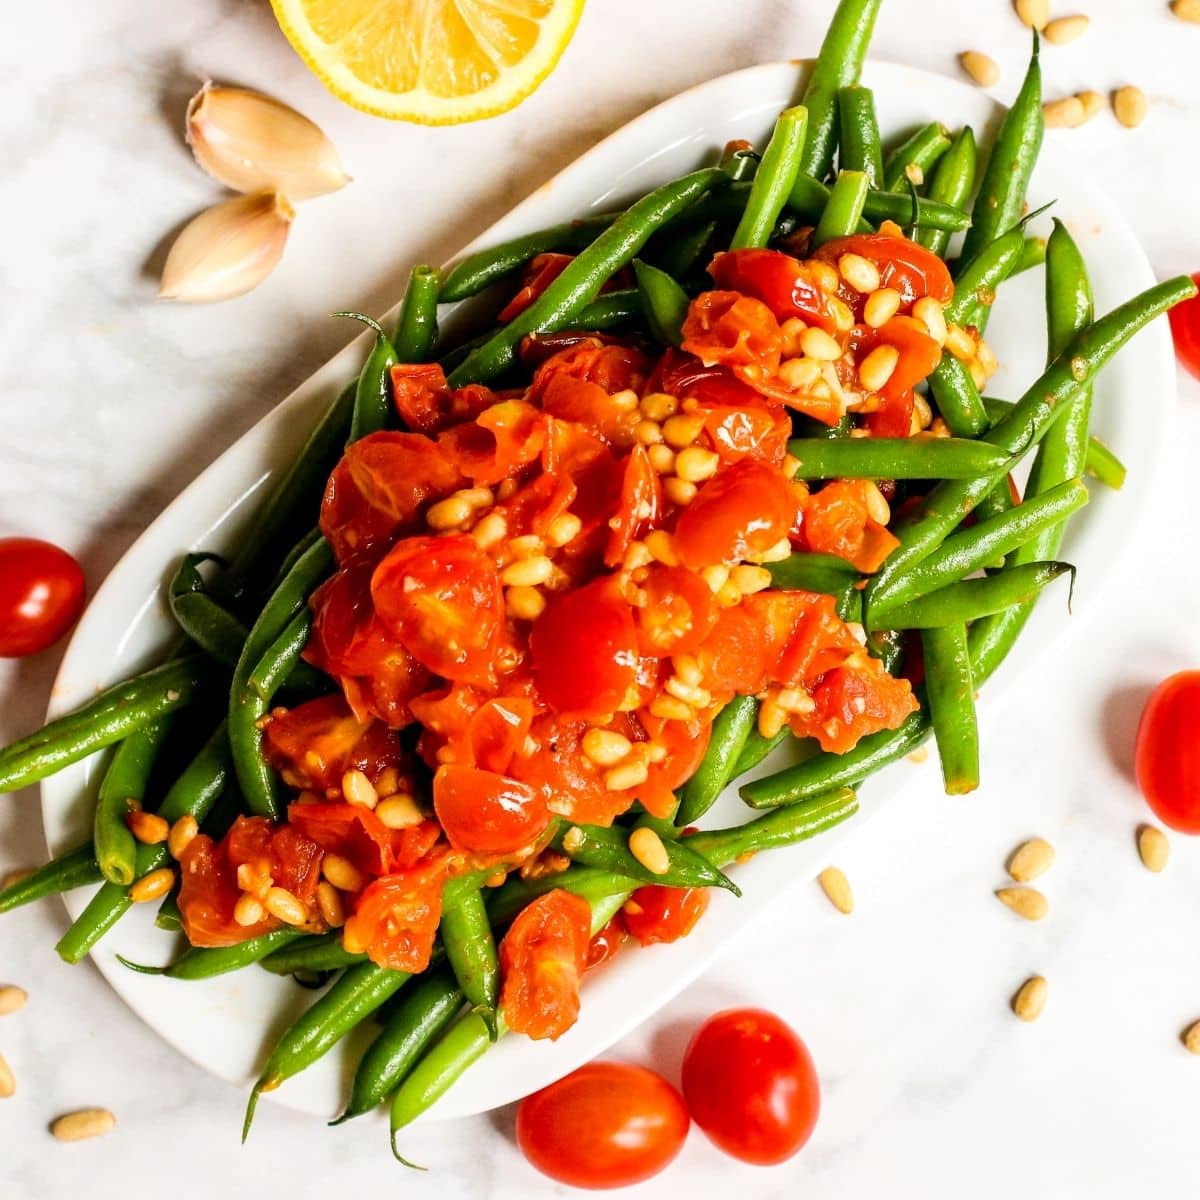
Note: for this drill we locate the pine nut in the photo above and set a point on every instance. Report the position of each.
(527, 572)
(149, 828)
(960, 343)
(342, 873)
(877, 368)
(572, 839)
(399, 812)
(694, 464)
(489, 530)
(729, 596)
(668, 708)
(648, 432)
(1187, 10)
(526, 546)
(1191, 1038)
(563, 529)
(8, 1081)
(1031, 859)
(662, 458)
(799, 373)
(688, 669)
(628, 775)
(1034, 13)
(750, 579)
(822, 346)
(658, 406)
(448, 514)
(979, 375)
(881, 307)
(636, 557)
(647, 847)
(716, 577)
(524, 603)
(931, 314)
(358, 789)
(329, 901)
(606, 747)
(662, 548)
(1130, 105)
(777, 553)
(1153, 848)
(151, 887)
(825, 277)
(86, 1123)
(791, 329)
(626, 400)
(388, 783)
(285, 907)
(1030, 998)
(181, 835)
(795, 700)
(253, 878)
(682, 430)
(836, 887)
(697, 697)
(860, 273)
(1026, 902)
(1066, 29)
(679, 491)
(12, 998)
(771, 718)
(986, 357)
(981, 67)
(922, 414)
(1067, 113)
(1093, 104)
(248, 910)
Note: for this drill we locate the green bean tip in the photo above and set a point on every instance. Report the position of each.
(141, 968)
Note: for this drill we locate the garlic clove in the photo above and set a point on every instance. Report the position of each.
(227, 249)
(249, 142)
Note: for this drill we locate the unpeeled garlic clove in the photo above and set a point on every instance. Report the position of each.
(251, 142)
(227, 249)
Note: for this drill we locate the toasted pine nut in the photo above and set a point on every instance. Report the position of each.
(358, 789)
(151, 887)
(662, 458)
(449, 513)
(181, 835)
(860, 273)
(960, 343)
(687, 668)
(931, 314)
(636, 556)
(524, 603)
(628, 775)
(822, 346)
(1034, 13)
(922, 414)
(836, 887)
(1153, 848)
(149, 828)
(1187, 10)
(399, 812)
(285, 907)
(729, 596)
(86, 1123)
(986, 357)
(978, 373)
(1130, 105)
(572, 839)
(647, 847)
(563, 529)
(252, 878)
(1093, 104)
(694, 464)
(329, 901)
(12, 998)
(8, 1081)
(750, 579)
(981, 67)
(679, 491)
(606, 747)
(716, 576)
(881, 307)
(1030, 999)
(1066, 29)
(342, 873)
(771, 718)
(791, 329)
(777, 553)
(795, 700)
(625, 400)
(658, 406)
(1067, 113)
(876, 369)
(1031, 859)
(799, 373)
(682, 430)
(388, 783)
(1026, 902)
(669, 708)
(662, 548)
(248, 910)
(526, 546)
(825, 277)
(648, 433)
(919, 755)
(489, 530)
(527, 572)
(1191, 1038)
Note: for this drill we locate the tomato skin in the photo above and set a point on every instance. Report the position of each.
(396, 917)
(485, 813)
(780, 281)
(41, 595)
(1185, 330)
(640, 506)
(733, 330)
(606, 944)
(750, 1084)
(357, 834)
(606, 1125)
(542, 271)
(905, 266)
(1167, 752)
(679, 612)
(657, 914)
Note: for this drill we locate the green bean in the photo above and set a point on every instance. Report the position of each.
(757, 748)
(838, 65)
(198, 962)
(1100, 461)
(192, 794)
(317, 952)
(776, 829)
(969, 600)
(978, 279)
(608, 310)
(107, 718)
(896, 458)
(424, 1013)
(957, 398)
(951, 693)
(729, 733)
(773, 180)
(77, 868)
(351, 998)
(121, 792)
(861, 148)
(806, 572)
(809, 197)
(1033, 254)
(279, 663)
(471, 953)
(212, 627)
(917, 155)
(1010, 167)
(168, 917)
(951, 183)
(679, 254)
(417, 325)
(844, 210)
(594, 884)
(664, 303)
(582, 280)
(373, 391)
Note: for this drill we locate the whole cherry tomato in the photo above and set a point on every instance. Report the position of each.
(606, 1125)
(751, 1086)
(1167, 754)
(1185, 328)
(41, 595)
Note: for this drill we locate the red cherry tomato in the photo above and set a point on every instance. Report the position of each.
(664, 914)
(486, 813)
(679, 612)
(1167, 754)
(751, 1086)
(1185, 328)
(780, 281)
(396, 918)
(911, 269)
(606, 1125)
(41, 595)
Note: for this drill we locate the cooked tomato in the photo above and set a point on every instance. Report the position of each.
(606, 1125)
(612, 366)
(541, 272)
(485, 813)
(440, 597)
(357, 834)
(1185, 330)
(497, 731)
(41, 595)
(542, 958)
(664, 914)
(584, 650)
(679, 612)
(780, 281)
(750, 1084)
(1168, 752)
(905, 266)
(498, 443)
(607, 943)
(427, 404)
(838, 521)
(734, 656)
(732, 329)
(639, 508)
(740, 513)
(851, 702)
(685, 376)
(396, 918)
(754, 430)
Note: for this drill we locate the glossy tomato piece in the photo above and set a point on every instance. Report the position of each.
(426, 402)
(485, 813)
(497, 444)
(780, 281)
(497, 731)
(685, 376)
(611, 366)
(905, 266)
(441, 598)
(1167, 753)
(753, 430)
(607, 943)
(41, 595)
(639, 507)
(358, 835)
(750, 1084)
(1185, 330)
(733, 330)
(584, 650)
(664, 914)
(851, 702)
(679, 613)
(606, 1125)
(542, 959)
(541, 272)
(396, 917)
(740, 513)
(837, 521)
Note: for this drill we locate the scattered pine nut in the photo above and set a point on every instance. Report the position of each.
(11, 999)
(1026, 902)
(15, 877)
(1066, 29)
(1187, 10)
(8, 1081)
(1191, 1038)
(1153, 847)
(1034, 13)
(1031, 859)
(86, 1123)
(981, 67)
(647, 847)
(1093, 104)
(1067, 113)
(836, 887)
(1030, 998)
(1130, 105)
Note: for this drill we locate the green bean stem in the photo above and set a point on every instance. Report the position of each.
(773, 180)
(417, 325)
(373, 391)
(915, 156)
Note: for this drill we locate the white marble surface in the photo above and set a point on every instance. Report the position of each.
(931, 1088)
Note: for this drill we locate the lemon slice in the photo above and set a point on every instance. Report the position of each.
(433, 61)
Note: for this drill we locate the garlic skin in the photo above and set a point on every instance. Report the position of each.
(228, 249)
(251, 142)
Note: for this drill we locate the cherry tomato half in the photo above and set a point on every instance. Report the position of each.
(487, 813)
(606, 1125)
(750, 1084)
(1185, 329)
(1167, 754)
(41, 595)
